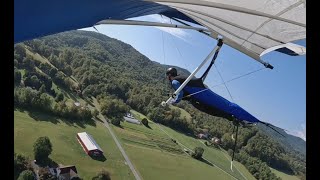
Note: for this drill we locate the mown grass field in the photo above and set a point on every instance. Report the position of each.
(66, 149)
(220, 157)
(284, 176)
(156, 156)
(214, 155)
(139, 116)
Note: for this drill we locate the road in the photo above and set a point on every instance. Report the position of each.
(136, 175)
(105, 122)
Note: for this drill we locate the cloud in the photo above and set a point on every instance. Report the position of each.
(300, 133)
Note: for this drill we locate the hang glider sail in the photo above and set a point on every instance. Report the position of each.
(250, 26)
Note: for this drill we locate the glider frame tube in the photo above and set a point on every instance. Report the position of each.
(217, 48)
(145, 23)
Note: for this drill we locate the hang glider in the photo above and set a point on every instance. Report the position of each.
(252, 27)
(205, 100)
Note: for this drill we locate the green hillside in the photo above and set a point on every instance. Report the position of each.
(28, 126)
(57, 71)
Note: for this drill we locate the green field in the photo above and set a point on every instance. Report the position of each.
(138, 115)
(156, 156)
(214, 155)
(184, 113)
(284, 176)
(66, 149)
(151, 150)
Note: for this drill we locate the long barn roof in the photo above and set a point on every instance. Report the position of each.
(88, 141)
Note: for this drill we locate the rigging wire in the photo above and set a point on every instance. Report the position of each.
(224, 83)
(174, 44)
(240, 76)
(164, 62)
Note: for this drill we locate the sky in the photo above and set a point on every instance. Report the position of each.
(276, 96)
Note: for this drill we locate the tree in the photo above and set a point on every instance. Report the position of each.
(26, 175)
(17, 77)
(28, 62)
(95, 113)
(112, 107)
(20, 51)
(42, 148)
(34, 82)
(115, 121)
(42, 88)
(52, 72)
(67, 70)
(44, 174)
(102, 175)
(59, 97)
(144, 122)
(198, 151)
(21, 163)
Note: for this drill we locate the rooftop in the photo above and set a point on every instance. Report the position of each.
(88, 141)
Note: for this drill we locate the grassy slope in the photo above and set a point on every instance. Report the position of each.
(214, 155)
(210, 153)
(153, 164)
(66, 149)
(284, 176)
(146, 147)
(184, 113)
(140, 116)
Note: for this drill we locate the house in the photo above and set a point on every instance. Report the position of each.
(203, 136)
(88, 144)
(129, 115)
(215, 140)
(64, 172)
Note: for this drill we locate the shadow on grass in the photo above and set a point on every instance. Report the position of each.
(119, 126)
(285, 171)
(98, 119)
(101, 158)
(41, 116)
(18, 109)
(205, 161)
(73, 97)
(148, 126)
(89, 102)
(47, 162)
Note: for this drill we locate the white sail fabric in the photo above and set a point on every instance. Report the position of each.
(250, 26)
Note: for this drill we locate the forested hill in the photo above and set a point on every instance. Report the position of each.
(92, 64)
(289, 141)
(122, 57)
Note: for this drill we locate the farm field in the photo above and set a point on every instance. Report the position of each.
(156, 156)
(66, 149)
